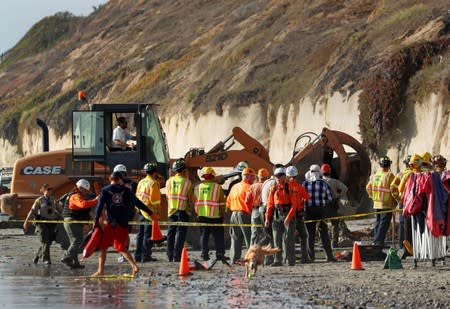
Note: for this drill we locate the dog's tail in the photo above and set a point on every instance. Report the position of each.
(268, 250)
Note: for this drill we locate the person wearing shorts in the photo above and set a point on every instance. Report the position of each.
(116, 200)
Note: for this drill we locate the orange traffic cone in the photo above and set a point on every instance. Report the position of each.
(184, 264)
(157, 236)
(356, 259)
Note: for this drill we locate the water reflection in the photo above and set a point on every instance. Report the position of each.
(38, 286)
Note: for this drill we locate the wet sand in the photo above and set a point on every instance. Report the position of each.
(321, 285)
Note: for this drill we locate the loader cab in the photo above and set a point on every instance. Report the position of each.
(92, 138)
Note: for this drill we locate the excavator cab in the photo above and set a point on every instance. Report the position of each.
(93, 148)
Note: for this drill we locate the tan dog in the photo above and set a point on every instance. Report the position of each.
(255, 257)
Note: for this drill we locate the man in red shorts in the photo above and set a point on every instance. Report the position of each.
(116, 200)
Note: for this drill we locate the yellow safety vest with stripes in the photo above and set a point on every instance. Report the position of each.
(179, 193)
(210, 200)
(379, 190)
(148, 192)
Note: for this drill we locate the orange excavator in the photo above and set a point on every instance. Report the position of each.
(348, 158)
(93, 155)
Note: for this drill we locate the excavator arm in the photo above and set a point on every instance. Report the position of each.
(221, 156)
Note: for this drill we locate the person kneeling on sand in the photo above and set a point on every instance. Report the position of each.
(116, 199)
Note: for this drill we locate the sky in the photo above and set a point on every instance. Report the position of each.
(18, 16)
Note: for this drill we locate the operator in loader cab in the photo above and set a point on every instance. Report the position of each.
(121, 135)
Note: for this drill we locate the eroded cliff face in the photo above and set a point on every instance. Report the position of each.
(9, 153)
(277, 130)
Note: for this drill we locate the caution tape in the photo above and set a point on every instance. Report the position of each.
(357, 215)
(198, 224)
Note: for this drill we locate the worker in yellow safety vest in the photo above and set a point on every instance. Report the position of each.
(398, 197)
(180, 199)
(148, 192)
(379, 190)
(210, 208)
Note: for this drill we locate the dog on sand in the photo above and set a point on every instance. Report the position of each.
(255, 257)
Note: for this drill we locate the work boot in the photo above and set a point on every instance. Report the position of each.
(331, 259)
(67, 261)
(205, 257)
(149, 259)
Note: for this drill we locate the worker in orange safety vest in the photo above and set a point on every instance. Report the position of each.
(240, 214)
(253, 201)
(299, 196)
(281, 208)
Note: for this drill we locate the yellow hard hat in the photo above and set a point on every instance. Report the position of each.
(263, 173)
(248, 171)
(207, 170)
(426, 157)
(415, 158)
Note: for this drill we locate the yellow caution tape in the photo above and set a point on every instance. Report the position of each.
(357, 215)
(212, 224)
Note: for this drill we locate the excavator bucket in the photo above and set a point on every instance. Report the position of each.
(349, 161)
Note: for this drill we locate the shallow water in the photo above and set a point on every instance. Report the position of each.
(53, 286)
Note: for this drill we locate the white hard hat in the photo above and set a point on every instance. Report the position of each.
(315, 168)
(120, 168)
(279, 171)
(241, 165)
(291, 171)
(83, 183)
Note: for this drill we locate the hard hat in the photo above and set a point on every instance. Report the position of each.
(208, 171)
(179, 165)
(248, 171)
(150, 167)
(279, 171)
(426, 158)
(439, 160)
(326, 168)
(315, 168)
(263, 173)
(385, 161)
(415, 158)
(407, 159)
(120, 168)
(241, 166)
(291, 171)
(83, 183)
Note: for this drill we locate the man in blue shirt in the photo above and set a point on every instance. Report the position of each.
(320, 195)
